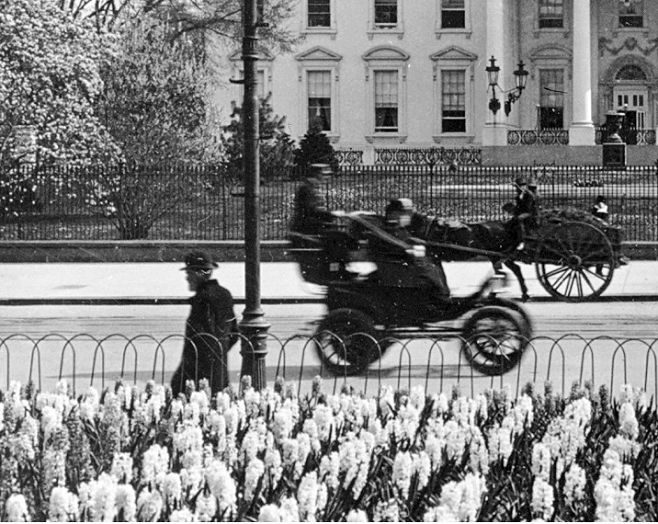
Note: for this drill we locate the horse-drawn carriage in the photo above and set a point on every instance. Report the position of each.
(367, 314)
(574, 253)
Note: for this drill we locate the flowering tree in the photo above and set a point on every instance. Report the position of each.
(50, 79)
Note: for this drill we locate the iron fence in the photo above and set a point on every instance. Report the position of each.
(204, 203)
(435, 365)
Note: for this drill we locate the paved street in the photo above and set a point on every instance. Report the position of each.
(80, 281)
(141, 341)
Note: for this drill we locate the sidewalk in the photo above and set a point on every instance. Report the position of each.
(163, 282)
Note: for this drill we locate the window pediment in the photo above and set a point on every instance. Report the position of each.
(263, 54)
(453, 54)
(386, 53)
(550, 52)
(318, 53)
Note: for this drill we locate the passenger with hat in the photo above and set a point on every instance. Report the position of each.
(400, 257)
(211, 328)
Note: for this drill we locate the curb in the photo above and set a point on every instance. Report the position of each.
(176, 301)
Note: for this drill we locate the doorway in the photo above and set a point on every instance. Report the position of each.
(633, 102)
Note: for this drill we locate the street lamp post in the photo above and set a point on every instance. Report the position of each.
(520, 78)
(253, 325)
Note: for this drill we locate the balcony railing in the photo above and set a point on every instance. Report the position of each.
(632, 136)
(531, 137)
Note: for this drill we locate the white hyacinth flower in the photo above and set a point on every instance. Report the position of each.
(542, 499)
(269, 513)
(402, 471)
(16, 508)
(126, 502)
(356, 515)
(63, 505)
(628, 425)
(574, 484)
(307, 497)
(122, 467)
(253, 473)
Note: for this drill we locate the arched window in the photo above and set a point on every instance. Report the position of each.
(631, 72)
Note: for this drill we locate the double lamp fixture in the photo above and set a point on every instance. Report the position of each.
(520, 76)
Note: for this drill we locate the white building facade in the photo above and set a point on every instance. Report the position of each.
(386, 75)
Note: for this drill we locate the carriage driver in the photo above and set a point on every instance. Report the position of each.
(398, 245)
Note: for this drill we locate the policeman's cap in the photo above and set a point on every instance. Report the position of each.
(519, 181)
(199, 260)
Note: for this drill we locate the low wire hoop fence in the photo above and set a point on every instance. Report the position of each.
(436, 365)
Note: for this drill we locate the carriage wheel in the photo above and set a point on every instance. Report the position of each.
(344, 342)
(493, 340)
(575, 261)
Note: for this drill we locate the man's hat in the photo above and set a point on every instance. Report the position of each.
(198, 260)
(519, 181)
(400, 204)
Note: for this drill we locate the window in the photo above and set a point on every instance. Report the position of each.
(631, 73)
(319, 98)
(386, 13)
(453, 14)
(319, 13)
(453, 101)
(551, 99)
(386, 101)
(630, 13)
(551, 13)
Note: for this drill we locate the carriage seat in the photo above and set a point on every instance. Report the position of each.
(323, 258)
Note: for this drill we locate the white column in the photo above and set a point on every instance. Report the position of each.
(581, 132)
(495, 128)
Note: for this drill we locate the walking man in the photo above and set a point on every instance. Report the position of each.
(211, 328)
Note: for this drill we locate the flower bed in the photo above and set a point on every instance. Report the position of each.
(128, 454)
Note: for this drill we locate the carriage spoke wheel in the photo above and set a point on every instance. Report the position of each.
(344, 342)
(575, 261)
(493, 340)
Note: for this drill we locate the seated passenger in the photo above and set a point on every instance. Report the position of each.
(400, 257)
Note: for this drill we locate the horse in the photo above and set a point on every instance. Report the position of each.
(498, 238)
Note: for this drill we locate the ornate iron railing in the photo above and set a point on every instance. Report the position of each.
(632, 136)
(435, 364)
(349, 157)
(531, 137)
(428, 156)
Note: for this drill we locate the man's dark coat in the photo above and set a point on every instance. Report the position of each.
(210, 332)
(309, 214)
